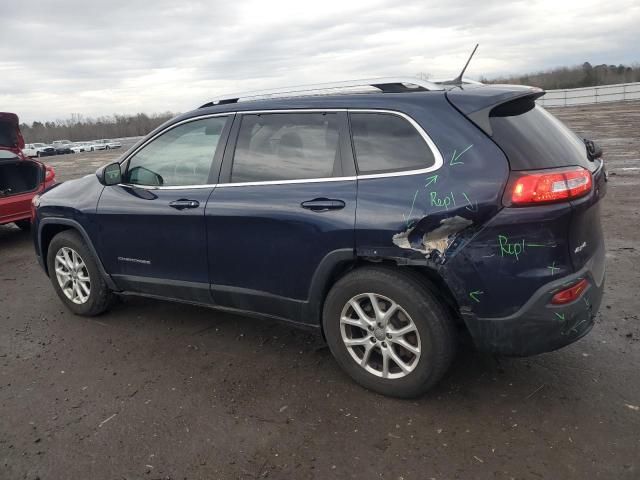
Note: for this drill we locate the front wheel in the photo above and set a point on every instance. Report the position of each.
(388, 331)
(75, 276)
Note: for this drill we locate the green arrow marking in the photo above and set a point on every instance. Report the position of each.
(560, 316)
(475, 294)
(454, 157)
(431, 179)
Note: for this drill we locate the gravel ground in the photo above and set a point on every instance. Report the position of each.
(156, 390)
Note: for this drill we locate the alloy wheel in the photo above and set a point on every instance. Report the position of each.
(73, 276)
(380, 335)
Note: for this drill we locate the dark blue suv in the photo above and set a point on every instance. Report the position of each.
(389, 215)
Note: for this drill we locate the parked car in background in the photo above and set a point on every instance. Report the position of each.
(38, 150)
(78, 147)
(62, 146)
(390, 222)
(95, 145)
(20, 177)
(108, 144)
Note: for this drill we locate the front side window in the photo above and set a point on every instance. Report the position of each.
(385, 142)
(179, 157)
(286, 146)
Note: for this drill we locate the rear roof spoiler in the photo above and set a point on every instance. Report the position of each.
(477, 101)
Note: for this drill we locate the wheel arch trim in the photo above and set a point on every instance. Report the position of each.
(73, 224)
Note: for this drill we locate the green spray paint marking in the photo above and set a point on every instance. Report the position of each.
(408, 217)
(472, 207)
(454, 157)
(510, 249)
(431, 179)
(445, 201)
(475, 294)
(560, 316)
(553, 268)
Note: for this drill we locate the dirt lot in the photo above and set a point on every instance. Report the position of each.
(160, 390)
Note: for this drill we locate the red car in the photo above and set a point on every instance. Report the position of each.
(21, 178)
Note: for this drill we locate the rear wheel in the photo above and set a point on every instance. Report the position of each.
(23, 224)
(75, 276)
(388, 331)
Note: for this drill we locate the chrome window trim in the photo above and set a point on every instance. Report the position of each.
(438, 159)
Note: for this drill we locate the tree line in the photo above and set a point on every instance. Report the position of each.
(79, 128)
(585, 75)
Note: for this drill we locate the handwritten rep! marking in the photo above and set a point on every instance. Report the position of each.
(445, 201)
(517, 248)
(510, 249)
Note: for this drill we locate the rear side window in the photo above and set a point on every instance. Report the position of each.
(532, 138)
(286, 146)
(385, 142)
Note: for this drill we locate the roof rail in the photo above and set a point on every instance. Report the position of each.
(384, 84)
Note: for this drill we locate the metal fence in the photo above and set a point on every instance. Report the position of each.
(588, 95)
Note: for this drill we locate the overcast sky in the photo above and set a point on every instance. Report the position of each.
(128, 56)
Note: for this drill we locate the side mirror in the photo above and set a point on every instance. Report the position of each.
(109, 174)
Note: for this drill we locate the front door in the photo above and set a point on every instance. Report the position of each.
(284, 207)
(152, 228)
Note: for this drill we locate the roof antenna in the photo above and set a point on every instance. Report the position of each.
(458, 79)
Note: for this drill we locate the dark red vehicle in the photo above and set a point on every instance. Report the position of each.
(21, 178)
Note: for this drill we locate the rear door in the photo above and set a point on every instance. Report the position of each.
(284, 207)
(152, 228)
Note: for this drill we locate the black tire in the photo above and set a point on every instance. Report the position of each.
(100, 297)
(23, 225)
(417, 297)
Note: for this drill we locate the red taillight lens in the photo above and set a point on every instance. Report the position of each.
(570, 294)
(554, 186)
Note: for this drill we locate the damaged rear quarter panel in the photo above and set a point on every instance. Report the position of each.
(428, 218)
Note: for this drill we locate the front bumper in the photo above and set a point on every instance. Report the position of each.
(538, 326)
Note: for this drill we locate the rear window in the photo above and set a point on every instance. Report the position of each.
(386, 142)
(532, 138)
(286, 146)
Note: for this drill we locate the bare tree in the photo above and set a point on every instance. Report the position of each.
(78, 128)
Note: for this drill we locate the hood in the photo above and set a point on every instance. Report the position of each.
(10, 135)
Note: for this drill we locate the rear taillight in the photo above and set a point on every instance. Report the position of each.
(570, 294)
(553, 186)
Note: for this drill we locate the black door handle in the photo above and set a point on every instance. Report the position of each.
(184, 203)
(323, 204)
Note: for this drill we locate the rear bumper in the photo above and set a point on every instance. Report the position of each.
(540, 327)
